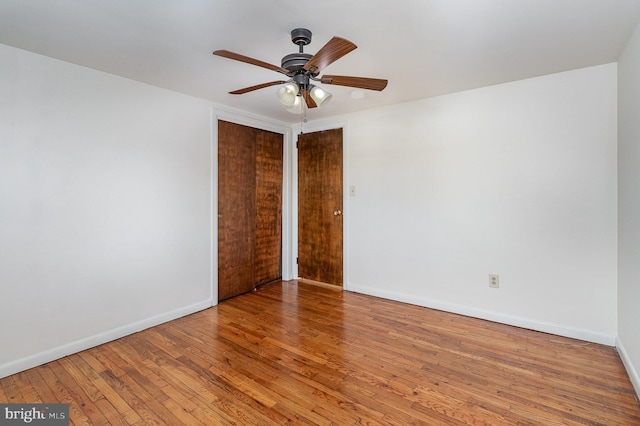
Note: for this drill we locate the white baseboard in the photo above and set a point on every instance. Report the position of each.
(558, 330)
(22, 364)
(628, 365)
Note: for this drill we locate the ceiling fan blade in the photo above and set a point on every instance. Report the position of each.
(335, 49)
(360, 82)
(256, 87)
(248, 60)
(308, 99)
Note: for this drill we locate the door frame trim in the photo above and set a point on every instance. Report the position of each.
(345, 193)
(288, 260)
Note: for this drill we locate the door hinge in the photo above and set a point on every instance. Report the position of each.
(297, 259)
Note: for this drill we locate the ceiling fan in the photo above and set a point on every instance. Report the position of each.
(303, 68)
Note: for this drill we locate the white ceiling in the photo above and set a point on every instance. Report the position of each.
(423, 47)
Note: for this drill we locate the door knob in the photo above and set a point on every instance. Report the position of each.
(337, 212)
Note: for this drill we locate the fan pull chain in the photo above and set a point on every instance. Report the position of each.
(303, 115)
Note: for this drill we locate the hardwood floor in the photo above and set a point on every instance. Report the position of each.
(292, 353)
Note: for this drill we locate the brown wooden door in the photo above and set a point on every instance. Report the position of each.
(320, 206)
(268, 202)
(249, 208)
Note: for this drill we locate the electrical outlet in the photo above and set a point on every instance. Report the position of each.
(494, 280)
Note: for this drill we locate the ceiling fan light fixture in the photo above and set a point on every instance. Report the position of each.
(319, 95)
(296, 107)
(288, 94)
(297, 94)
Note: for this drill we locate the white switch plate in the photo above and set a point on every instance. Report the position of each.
(352, 190)
(494, 281)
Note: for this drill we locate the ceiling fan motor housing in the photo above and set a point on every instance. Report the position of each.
(295, 61)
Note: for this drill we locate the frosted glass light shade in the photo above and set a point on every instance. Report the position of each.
(319, 95)
(296, 108)
(288, 94)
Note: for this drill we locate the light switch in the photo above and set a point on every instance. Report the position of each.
(352, 190)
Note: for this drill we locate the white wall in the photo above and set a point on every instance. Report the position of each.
(517, 179)
(629, 207)
(105, 207)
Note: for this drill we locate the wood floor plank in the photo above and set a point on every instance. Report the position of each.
(301, 354)
(63, 395)
(28, 391)
(10, 390)
(87, 364)
(81, 393)
(43, 391)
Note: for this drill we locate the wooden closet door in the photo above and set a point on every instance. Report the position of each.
(268, 201)
(320, 244)
(250, 165)
(236, 209)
